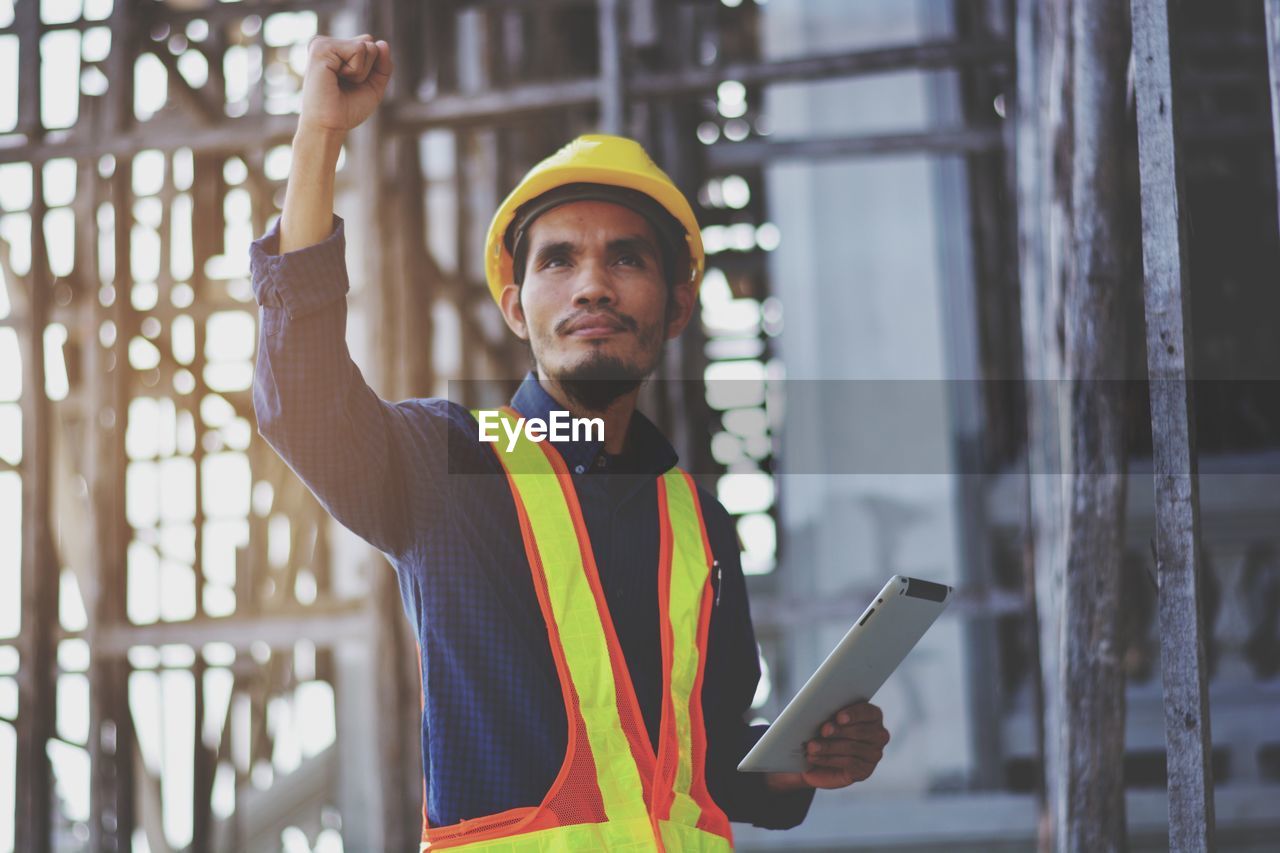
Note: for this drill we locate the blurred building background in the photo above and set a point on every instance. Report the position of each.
(192, 657)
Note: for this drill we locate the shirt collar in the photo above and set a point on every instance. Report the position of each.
(647, 449)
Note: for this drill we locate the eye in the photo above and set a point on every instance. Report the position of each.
(631, 260)
(555, 260)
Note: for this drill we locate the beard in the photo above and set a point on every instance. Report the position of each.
(600, 380)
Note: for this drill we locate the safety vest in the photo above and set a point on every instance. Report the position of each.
(612, 792)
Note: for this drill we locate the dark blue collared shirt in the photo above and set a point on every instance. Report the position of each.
(493, 724)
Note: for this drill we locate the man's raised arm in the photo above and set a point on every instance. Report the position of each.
(350, 447)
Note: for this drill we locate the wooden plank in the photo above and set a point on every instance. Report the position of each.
(613, 107)
(37, 685)
(27, 25)
(1167, 300)
(1091, 690)
(725, 156)
(1070, 145)
(112, 739)
(1029, 159)
(1043, 41)
(1273, 68)
(501, 104)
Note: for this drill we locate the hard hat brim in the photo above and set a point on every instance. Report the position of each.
(643, 177)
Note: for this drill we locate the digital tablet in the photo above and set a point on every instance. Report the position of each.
(888, 629)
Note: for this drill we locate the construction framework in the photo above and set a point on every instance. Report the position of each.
(269, 604)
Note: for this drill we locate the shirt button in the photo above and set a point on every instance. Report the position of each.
(578, 469)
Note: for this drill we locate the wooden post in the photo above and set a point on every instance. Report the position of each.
(1071, 233)
(1092, 687)
(37, 676)
(1167, 300)
(1273, 66)
(612, 86)
(1034, 52)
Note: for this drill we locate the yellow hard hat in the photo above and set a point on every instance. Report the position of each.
(591, 159)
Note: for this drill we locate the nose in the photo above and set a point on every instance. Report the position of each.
(593, 286)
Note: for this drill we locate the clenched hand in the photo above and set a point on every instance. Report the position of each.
(344, 82)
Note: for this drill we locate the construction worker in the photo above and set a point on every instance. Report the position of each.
(587, 655)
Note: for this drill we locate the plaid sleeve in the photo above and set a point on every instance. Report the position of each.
(374, 465)
(301, 281)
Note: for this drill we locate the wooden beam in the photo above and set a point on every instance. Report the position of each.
(167, 133)
(1091, 692)
(323, 625)
(112, 738)
(1273, 68)
(37, 684)
(1029, 165)
(496, 105)
(1178, 563)
(754, 152)
(923, 56)
(1040, 118)
(613, 93)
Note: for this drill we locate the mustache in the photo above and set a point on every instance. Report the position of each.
(627, 322)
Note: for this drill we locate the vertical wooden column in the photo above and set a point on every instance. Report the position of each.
(1030, 159)
(613, 110)
(112, 745)
(1178, 564)
(111, 737)
(1273, 66)
(1070, 145)
(1043, 57)
(37, 640)
(37, 674)
(1093, 683)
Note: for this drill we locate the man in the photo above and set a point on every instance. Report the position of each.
(587, 651)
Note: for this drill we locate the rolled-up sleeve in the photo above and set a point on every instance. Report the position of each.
(370, 463)
(302, 281)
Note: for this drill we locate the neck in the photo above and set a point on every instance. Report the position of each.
(616, 416)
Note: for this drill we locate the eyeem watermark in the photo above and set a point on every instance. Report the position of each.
(560, 426)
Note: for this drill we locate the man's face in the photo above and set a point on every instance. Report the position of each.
(594, 305)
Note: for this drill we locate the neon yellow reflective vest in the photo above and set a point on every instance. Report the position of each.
(612, 793)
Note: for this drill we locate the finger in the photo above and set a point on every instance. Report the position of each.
(834, 777)
(856, 749)
(863, 732)
(382, 60)
(862, 712)
(346, 61)
(854, 768)
(355, 65)
(822, 777)
(362, 61)
(854, 731)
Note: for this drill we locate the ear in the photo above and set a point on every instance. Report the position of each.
(685, 301)
(513, 311)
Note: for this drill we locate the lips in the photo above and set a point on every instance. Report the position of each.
(594, 326)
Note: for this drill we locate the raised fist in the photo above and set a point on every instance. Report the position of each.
(344, 82)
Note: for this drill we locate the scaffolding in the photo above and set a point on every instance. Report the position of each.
(148, 265)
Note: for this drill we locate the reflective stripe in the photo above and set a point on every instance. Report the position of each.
(683, 838)
(582, 634)
(688, 579)
(634, 813)
(616, 837)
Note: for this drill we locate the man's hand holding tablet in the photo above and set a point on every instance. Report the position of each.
(847, 750)
(830, 735)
